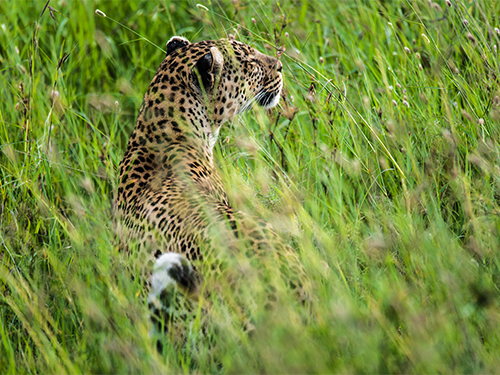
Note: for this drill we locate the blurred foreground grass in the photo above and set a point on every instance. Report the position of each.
(383, 166)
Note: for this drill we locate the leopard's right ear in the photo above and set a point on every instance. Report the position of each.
(175, 43)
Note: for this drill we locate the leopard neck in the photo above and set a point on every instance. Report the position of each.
(162, 123)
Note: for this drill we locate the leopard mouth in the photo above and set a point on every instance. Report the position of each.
(269, 95)
(269, 99)
(266, 99)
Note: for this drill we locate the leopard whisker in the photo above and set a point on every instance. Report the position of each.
(250, 102)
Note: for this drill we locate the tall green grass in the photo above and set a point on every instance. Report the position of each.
(381, 169)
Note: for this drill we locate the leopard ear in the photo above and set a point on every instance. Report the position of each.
(209, 68)
(175, 43)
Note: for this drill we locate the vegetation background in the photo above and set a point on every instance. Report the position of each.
(382, 167)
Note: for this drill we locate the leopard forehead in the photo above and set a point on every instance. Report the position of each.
(231, 49)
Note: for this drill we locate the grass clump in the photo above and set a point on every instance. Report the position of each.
(381, 166)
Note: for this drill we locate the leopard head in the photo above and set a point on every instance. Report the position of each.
(229, 76)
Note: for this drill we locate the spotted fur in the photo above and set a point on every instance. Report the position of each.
(168, 179)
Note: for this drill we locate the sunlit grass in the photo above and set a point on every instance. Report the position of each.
(381, 169)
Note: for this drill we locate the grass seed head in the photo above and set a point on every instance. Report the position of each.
(100, 13)
(467, 115)
(437, 7)
(472, 38)
(201, 6)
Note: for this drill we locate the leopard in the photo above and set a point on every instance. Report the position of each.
(171, 200)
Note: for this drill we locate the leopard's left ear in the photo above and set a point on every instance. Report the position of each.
(176, 42)
(208, 69)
